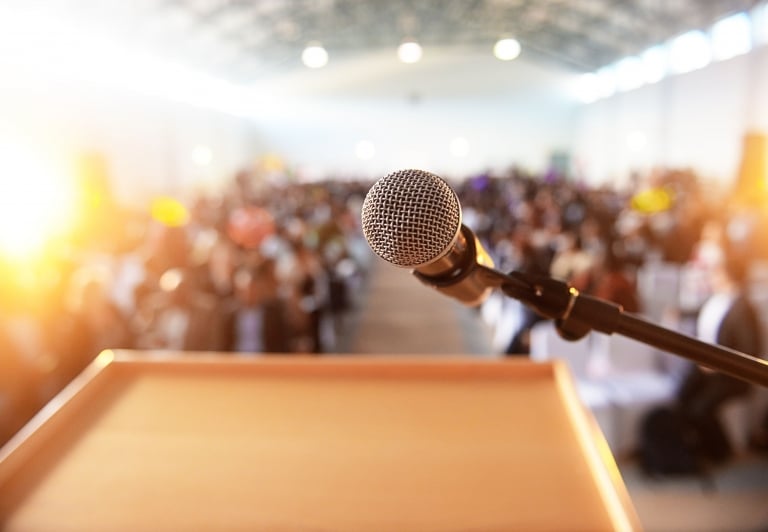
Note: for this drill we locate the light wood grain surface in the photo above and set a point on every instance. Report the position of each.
(292, 444)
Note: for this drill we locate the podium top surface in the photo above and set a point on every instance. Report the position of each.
(333, 443)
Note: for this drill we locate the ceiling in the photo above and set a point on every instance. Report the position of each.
(250, 40)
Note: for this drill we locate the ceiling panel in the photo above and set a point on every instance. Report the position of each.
(248, 40)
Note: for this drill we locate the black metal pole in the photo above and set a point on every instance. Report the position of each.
(719, 358)
(577, 314)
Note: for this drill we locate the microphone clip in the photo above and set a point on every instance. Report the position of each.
(575, 315)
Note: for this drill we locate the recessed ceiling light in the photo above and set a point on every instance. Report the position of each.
(314, 56)
(507, 49)
(409, 52)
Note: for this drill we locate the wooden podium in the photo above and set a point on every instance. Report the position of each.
(339, 443)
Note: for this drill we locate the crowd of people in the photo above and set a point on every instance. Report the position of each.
(261, 267)
(597, 239)
(269, 267)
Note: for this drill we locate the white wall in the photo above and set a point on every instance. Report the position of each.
(517, 112)
(147, 142)
(510, 113)
(499, 133)
(695, 120)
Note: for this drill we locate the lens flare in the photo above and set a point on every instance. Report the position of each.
(36, 202)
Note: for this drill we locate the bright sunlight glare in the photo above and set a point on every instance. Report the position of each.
(36, 202)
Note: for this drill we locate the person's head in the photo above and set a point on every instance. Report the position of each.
(177, 285)
(732, 271)
(737, 267)
(569, 241)
(611, 261)
(89, 290)
(254, 286)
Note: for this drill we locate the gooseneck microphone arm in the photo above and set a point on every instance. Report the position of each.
(576, 315)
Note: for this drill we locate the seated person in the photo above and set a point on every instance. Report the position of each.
(727, 318)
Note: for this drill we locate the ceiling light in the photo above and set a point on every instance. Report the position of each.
(587, 88)
(629, 73)
(506, 49)
(689, 51)
(759, 17)
(314, 56)
(606, 82)
(654, 64)
(731, 36)
(409, 52)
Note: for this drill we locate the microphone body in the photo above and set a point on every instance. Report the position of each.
(456, 274)
(412, 219)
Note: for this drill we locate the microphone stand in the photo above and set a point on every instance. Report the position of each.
(576, 315)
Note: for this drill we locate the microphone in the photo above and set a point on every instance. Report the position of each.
(412, 219)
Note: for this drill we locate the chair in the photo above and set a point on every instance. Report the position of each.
(502, 316)
(547, 344)
(658, 286)
(625, 355)
(740, 418)
(631, 374)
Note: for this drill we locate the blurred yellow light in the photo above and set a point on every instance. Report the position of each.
(36, 202)
(92, 177)
(652, 200)
(169, 212)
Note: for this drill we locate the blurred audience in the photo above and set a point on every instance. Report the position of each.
(258, 319)
(611, 280)
(265, 266)
(571, 263)
(272, 266)
(730, 319)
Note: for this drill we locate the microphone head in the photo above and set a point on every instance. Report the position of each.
(411, 217)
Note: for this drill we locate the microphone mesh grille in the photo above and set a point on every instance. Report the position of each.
(410, 217)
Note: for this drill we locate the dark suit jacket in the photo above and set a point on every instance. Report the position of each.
(276, 330)
(702, 393)
(740, 328)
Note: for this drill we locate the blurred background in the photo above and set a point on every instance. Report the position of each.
(188, 175)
